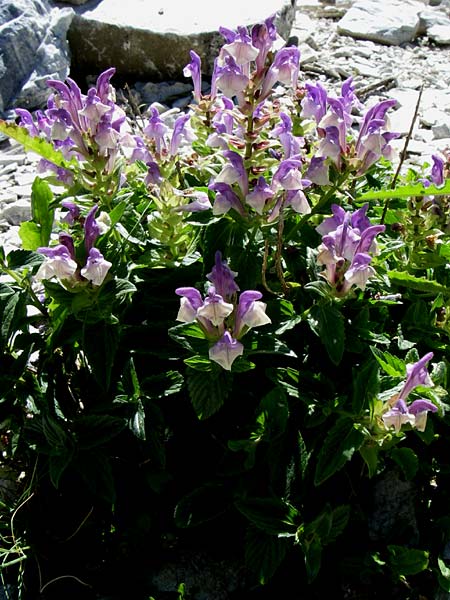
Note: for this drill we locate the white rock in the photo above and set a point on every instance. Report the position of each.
(440, 34)
(434, 116)
(17, 212)
(388, 22)
(441, 131)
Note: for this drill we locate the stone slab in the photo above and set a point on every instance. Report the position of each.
(389, 22)
(148, 39)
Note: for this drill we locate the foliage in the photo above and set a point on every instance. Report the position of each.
(226, 330)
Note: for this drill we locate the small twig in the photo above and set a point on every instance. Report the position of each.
(80, 525)
(264, 268)
(64, 577)
(403, 152)
(14, 514)
(322, 71)
(362, 91)
(278, 266)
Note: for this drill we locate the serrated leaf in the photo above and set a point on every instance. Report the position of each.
(391, 365)
(271, 515)
(443, 575)
(341, 442)
(30, 235)
(407, 460)
(406, 191)
(201, 505)
(407, 561)
(58, 463)
(263, 553)
(274, 407)
(37, 145)
(42, 213)
(327, 322)
(370, 457)
(208, 390)
(96, 430)
(365, 386)
(420, 284)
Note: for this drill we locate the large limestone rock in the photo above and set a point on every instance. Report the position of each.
(33, 48)
(389, 22)
(146, 39)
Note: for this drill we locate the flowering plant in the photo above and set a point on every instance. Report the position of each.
(268, 406)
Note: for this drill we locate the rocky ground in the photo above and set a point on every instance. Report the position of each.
(327, 33)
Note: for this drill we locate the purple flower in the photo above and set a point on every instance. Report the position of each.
(318, 171)
(200, 203)
(59, 263)
(263, 37)
(214, 308)
(225, 199)
(373, 140)
(250, 313)
(288, 175)
(314, 104)
(437, 171)
(74, 212)
(156, 129)
(230, 79)
(91, 229)
(191, 301)
(241, 48)
(284, 69)
(96, 267)
(181, 130)
(417, 374)
(259, 195)
(291, 144)
(415, 414)
(223, 278)
(194, 70)
(26, 120)
(225, 351)
(153, 176)
(234, 171)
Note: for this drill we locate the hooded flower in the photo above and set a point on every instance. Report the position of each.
(415, 414)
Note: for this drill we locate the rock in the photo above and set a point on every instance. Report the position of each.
(164, 92)
(74, 2)
(33, 48)
(16, 212)
(441, 131)
(395, 22)
(436, 25)
(152, 41)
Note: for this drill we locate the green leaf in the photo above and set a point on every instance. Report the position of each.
(208, 390)
(37, 145)
(30, 234)
(407, 561)
(391, 365)
(339, 445)
(42, 214)
(8, 313)
(58, 463)
(275, 412)
(365, 385)
(137, 422)
(263, 553)
(327, 322)
(407, 460)
(203, 504)
(304, 455)
(406, 191)
(419, 284)
(18, 259)
(370, 457)
(443, 575)
(100, 344)
(271, 515)
(96, 430)
(96, 471)
(313, 558)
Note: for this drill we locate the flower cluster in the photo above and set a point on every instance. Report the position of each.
(88, 127)
(334, 118)
(223, 317)
(348, 240)
(61, 260)
(398, 412)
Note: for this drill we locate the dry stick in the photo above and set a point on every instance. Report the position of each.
(403, 152)
(362, 91)
(63, 577)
